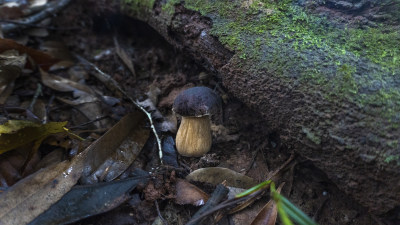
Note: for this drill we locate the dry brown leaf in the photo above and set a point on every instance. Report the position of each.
(28, 198)
(216, 175)
(268, 214)
(42, 59)
(116, 150)
(63, 84)
(187, 193)
(126, 59)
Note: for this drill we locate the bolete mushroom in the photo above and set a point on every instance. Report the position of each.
(195, 105)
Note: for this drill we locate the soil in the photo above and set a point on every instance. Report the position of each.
(242, 141)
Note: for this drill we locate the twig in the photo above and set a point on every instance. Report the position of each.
(291, 178)
(35, 97)
(24, 24)
(113, 85)
(89, 122)
(52, 8)
(46, 116)
(253, 159)
(159, 213)
(275, 172)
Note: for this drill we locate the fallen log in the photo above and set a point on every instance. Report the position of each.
(323, 74)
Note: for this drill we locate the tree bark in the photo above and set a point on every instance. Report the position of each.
(323, 74)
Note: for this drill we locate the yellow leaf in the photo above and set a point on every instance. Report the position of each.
(16, 133)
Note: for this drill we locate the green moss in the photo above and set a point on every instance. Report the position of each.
(311, 136)
(284, 38)
(392, 158)
(169, 6)
(136, 6)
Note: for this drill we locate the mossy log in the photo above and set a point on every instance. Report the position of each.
(325, 76)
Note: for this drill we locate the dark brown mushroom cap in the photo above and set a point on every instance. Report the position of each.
(197, 102)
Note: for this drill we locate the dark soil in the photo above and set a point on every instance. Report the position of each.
(244, 146)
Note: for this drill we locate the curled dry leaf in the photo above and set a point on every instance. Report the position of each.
(268, 214)
(114, 152)
(187, 193)
(216, 175)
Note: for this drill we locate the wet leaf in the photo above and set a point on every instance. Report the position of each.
(40, 58)
(114, 152)
(268, 214)
(89, 200)
(17, 133)
(187, 193)
(169, 152)
(31, 196)
(216, 175)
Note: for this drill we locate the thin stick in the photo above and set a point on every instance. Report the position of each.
(113, 85)
(24, 24)
(35, 97)
(89, 122)
(275, 172)
(50, 10)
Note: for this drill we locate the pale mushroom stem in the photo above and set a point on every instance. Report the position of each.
(194, 136)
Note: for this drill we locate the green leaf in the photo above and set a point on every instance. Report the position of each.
(16, 133)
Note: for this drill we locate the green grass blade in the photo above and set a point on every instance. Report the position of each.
(295, 213)
(282, 214)
(251, 190)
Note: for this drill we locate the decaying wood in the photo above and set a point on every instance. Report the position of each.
(328, 103)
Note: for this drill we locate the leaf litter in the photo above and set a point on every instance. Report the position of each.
(71, 94)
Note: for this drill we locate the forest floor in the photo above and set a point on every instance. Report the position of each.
(161, 72)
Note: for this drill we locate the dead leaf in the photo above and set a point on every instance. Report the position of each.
(28, 198)
(11, 64)
(17, 133)
(216, 175)
(126, 59)
(40, 58)
(268, 214)
(116, 149)
(63, 84)
(84, 201)
(187, 193)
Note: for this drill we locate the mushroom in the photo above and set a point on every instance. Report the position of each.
(195, 105)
